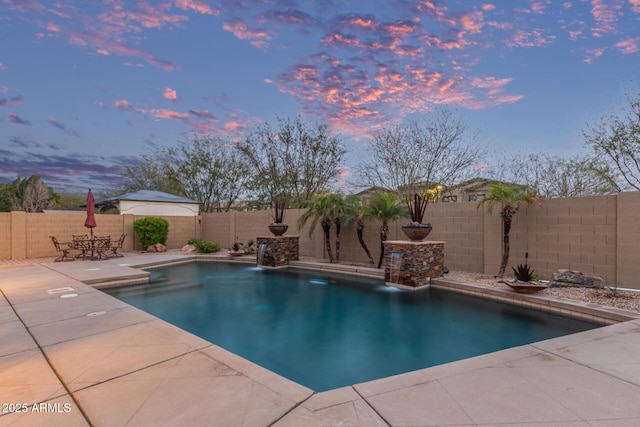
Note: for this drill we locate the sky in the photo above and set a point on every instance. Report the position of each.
(86, 87)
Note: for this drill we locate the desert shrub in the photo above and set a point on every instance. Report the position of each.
(204, 246)
(151, 230)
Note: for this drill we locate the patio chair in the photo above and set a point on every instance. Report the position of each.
(115, 246)
(102, 245)
(81, 243)
(62, 248)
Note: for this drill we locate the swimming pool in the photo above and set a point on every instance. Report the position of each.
(325, 331)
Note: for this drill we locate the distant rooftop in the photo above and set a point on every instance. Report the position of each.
(146, 196)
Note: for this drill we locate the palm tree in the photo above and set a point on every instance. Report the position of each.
(354, 210)
(510, 197)
(327, 209)
(385, 206)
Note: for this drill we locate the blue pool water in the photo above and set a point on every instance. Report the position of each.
(325, 331)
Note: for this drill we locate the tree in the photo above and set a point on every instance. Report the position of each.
(209, 170)
(385, 206)
(327, 209)
(150, 172)
(293, 161)
(553, 176)
(355, 211)
(31, 195)
(5, 203)
(510, 197)
(615, 146)
(72, 201)
(418, 156)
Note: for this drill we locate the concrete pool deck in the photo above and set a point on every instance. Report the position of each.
(93, 360)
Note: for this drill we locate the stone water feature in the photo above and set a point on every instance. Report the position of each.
(279, 250)
(414, 264)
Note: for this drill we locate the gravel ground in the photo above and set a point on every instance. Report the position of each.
(626, 300)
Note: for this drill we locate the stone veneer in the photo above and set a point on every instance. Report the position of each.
(421, 261)
(280, 250)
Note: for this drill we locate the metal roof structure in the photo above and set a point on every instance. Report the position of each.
(146, 196)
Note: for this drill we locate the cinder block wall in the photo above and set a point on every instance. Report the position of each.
(595, 235)
(26, 235)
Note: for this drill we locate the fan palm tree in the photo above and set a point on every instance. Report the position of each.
(510, 197)
(326, 209)
(354, 210)
(385, 206)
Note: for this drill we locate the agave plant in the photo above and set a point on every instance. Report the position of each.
(523, 272)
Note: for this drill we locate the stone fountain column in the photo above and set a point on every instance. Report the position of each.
(420, 262)
(279, 250)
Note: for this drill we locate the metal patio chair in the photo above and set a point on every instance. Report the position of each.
(62, 248)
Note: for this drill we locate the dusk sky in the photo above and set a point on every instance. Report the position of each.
(87, 86)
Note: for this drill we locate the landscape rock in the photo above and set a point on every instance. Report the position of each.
(575, 279)
(158, 247)
(188, 249)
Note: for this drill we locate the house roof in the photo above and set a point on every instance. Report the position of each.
(147, 196)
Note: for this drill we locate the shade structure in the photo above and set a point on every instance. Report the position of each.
(90, 222)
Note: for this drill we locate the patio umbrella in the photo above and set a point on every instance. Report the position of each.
(90, 222)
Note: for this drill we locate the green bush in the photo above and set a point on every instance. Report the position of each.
(151, 230)
(204, 246)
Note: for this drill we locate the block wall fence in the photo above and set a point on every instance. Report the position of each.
(597, 235)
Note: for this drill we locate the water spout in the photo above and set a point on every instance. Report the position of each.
(260, 256)
(395, 266)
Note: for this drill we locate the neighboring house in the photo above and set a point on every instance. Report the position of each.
(366, 194)
(153, 203)
(472, 190)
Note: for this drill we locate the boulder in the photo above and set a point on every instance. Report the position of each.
(158, 247)
(575, 279)
(188, 249)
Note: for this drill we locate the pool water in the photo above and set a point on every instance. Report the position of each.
(325, 331)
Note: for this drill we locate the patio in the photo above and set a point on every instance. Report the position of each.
(98, 361)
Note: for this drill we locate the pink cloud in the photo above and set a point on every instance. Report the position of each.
(197, 6)
(170, 94)
(538, 7)
(53, 27)
(533, 38)
(500, 25)
(472, 22)
(162, 113)
(628, 46)
(488, 7)
(11, 102)
(17, 120)
(30, 6)
(635, 5)
(593, 54)
(401, 28)
(605, 16)
(489, 82)
(367, 22)
(239, 28)
(150, 17)
(287, 16)
(575, 35)
(106, 46)
(123, 104)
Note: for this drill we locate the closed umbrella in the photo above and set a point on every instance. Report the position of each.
(90, 222)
